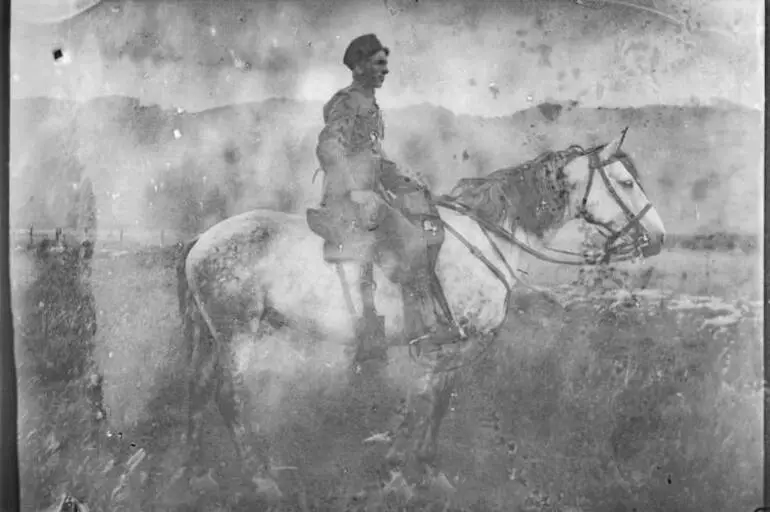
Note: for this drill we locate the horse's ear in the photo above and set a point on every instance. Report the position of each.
(612, 148)
(622, 138)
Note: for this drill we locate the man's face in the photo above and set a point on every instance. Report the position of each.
(373, 70)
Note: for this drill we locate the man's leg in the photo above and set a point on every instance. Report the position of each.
(414, 277)
(370, 328)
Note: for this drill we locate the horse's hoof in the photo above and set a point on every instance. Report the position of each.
(397, 485)
(440, 483)
(267, 487)
(204, 483)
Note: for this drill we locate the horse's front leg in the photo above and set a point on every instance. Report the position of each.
(415, 445)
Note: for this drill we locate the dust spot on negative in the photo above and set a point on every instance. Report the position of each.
(231, 154)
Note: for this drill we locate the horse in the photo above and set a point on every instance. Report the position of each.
(261, 272)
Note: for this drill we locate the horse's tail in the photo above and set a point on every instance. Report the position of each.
(195, 318)
(182, 286)
(186, 303)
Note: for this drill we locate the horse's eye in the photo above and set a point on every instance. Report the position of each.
(627, 183)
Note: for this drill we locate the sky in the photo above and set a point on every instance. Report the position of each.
(487, 58)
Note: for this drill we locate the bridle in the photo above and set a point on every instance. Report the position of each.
(627, 250)
(611, 250)
(621, 252)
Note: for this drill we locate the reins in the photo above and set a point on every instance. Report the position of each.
(487, 227)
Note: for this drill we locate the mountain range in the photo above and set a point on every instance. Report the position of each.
(700, 165)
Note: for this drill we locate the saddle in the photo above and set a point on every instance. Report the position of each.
(346, 240)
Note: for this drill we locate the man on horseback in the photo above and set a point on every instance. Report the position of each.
(368, 206)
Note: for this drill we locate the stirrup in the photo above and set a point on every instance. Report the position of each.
(453, 339)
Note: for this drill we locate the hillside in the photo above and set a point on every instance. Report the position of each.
(700, 164)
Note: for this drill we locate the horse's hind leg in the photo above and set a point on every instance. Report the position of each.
(416, 440)
(201, 380)
(252, 450)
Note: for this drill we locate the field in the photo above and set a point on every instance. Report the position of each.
(637, 395)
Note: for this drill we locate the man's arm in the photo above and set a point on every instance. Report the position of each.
(334, 142)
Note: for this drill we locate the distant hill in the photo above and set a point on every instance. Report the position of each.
(701, 164)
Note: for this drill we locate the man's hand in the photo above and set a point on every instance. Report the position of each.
(370, 203)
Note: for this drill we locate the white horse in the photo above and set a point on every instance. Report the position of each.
(264, 268)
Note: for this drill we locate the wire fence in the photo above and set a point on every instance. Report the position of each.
(117, 237)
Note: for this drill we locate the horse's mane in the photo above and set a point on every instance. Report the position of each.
(532, 196)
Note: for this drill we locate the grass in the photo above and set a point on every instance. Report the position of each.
(613, 403)
(733, 275)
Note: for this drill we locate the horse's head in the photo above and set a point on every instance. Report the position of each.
(607, 192)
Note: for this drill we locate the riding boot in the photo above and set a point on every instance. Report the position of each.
(370, 328)
(420, 318)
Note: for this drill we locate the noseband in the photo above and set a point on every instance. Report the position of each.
(597, 166)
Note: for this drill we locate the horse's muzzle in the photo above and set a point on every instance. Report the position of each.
(654, 245)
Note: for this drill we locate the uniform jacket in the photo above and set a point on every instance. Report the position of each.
(349, 146)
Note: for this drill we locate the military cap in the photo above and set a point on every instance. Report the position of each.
(362, 48)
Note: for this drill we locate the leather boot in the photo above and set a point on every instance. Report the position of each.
(419, 315)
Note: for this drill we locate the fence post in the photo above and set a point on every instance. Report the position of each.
(31, 235)
(161, 237)
(121, 236)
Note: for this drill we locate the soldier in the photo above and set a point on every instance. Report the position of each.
(356, 175)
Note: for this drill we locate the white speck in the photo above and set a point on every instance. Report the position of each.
(529, 98)
(177, 134)
(109, 355)
(337, 37)
(240, 64)
(40, 304)
(115, 8)
(228, 79)
(179, 110)
(213, 31)
(16, 77)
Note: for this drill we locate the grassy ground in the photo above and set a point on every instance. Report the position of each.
(611, 403)
(727, 274)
